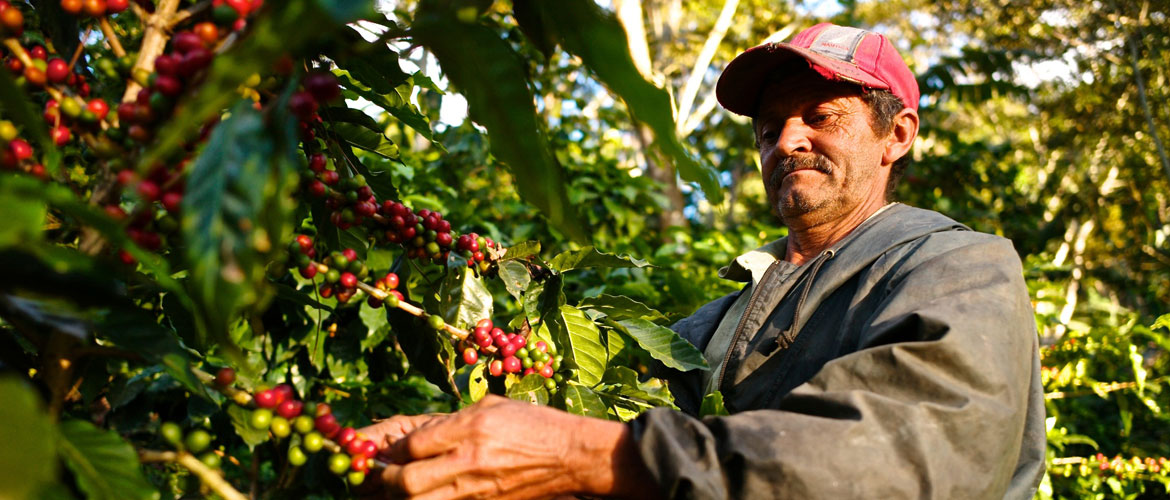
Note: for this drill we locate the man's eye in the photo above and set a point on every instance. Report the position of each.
(769, 136)
(817, 118)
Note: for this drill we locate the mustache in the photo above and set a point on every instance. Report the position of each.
(790, 164)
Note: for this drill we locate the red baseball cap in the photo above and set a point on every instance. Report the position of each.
(836, 52)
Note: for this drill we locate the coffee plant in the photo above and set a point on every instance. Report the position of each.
(210, 275)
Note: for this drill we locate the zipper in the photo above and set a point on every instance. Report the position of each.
(743, 321)
(826, 255)
(785, 336)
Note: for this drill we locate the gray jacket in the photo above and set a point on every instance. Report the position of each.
(901, 363)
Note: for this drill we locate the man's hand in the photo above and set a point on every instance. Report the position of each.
(387, 432)
(501, 448)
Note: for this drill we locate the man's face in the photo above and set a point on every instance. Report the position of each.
(819, 154)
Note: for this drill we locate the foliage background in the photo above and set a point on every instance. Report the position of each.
(1043, 122)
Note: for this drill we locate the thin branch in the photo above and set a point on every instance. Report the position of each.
(1141, 87)
(21, 54)
(153, 42)
(185, 14)
(111, 37)
(686, 100)
(692, 122)
(209, 477)
(79, 50)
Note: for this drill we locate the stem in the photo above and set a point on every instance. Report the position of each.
(21, 54)
(211, 478)
(153, 43)
(108, 31)
(458, 333)
(185, 14)
(79, 50)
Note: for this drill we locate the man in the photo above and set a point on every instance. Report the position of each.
(878, 351)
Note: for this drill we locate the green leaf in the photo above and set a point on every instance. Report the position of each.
(1163, 321)
(24, 216)
(370, 140)
(289, 294)
(576, 336)
(580, 400)
(465, 299)
(396, 102)
(663, 344)
(104, 464)
(494, 79)
(597, 37)
(375, 66)
(623, 381)
(236, 212)
(530, 389)
(28, 457)
(713, 405)
(591, 257)
(35, 192)
(515, 277)
(342, 114)
(522, 250)
(377, 327)
(136, 331)
(242, 421)
(348, 11)
(473, 380)
(380, 180)
(620, 307)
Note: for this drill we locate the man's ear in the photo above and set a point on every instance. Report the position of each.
(902, 136)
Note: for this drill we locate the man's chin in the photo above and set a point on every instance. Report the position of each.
(795, 207)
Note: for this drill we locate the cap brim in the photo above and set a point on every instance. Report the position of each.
(741, 83)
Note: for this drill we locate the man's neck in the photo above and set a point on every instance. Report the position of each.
(806, 242)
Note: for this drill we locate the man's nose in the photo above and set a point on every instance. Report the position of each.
(794, 137)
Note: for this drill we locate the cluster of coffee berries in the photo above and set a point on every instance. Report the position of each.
(424, 234)
(280, 413)
(341, 272)
(476, 249)
(197, 442)
(190, 53)
(513, 353)
(94, 8)
(17, 153)
(319, 87)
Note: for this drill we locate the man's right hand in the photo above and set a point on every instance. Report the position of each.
(387, 432)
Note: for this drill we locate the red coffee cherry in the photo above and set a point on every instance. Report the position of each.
(57, 70)
(266, 399)
(225, 376)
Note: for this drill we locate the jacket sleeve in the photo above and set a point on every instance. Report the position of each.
(933, 405)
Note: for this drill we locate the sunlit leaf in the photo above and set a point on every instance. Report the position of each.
(663, 344)
(493, 78)
(591, 257)
(597, 37)
(580, 400)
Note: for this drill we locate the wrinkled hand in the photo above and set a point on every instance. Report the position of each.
(387, 432)
(501, 448)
